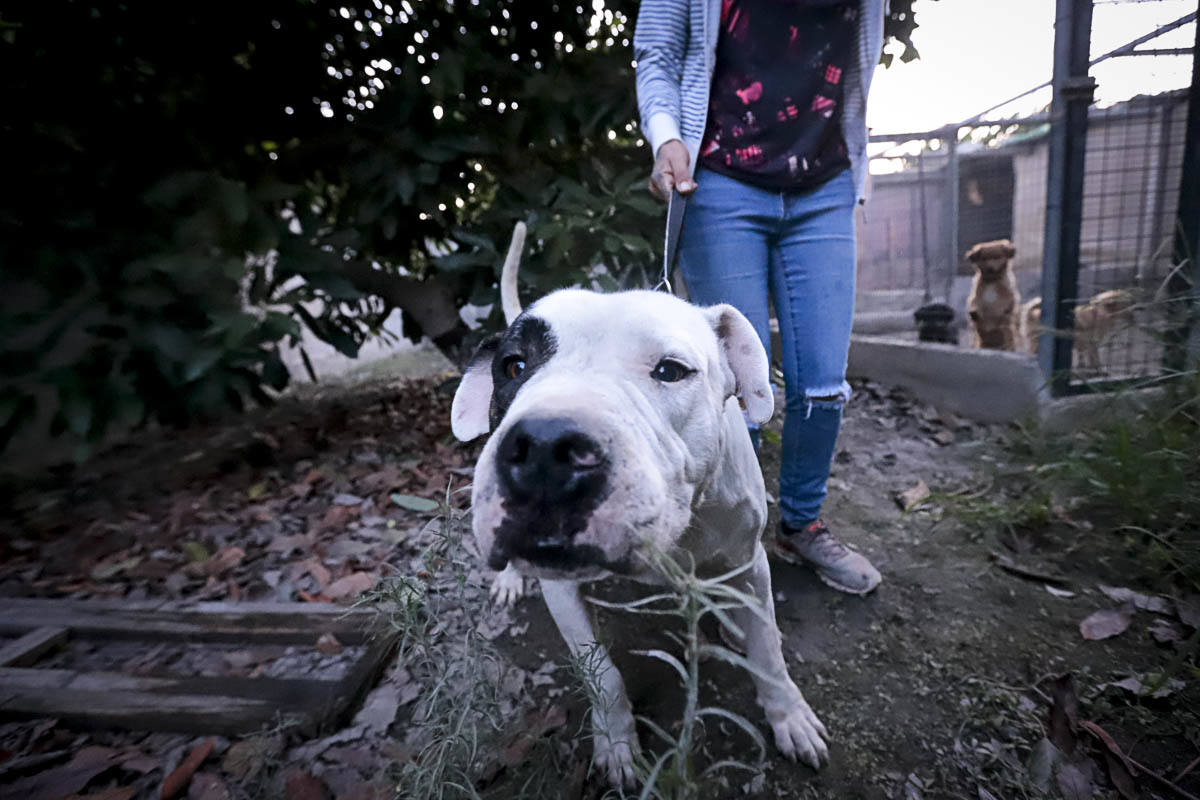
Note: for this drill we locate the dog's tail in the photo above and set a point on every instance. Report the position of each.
(510, 301)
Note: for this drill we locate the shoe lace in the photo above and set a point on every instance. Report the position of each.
(823, 543)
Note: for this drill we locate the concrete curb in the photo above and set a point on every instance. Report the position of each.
(985, 385)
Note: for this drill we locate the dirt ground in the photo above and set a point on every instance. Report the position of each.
(938, 685)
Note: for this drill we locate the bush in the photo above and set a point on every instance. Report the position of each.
(190, 184)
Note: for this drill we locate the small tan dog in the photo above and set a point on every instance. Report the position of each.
(1095, 321)
(1098, 319)
(1029, 323)
(992, 304)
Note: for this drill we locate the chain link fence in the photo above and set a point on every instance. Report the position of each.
(934, 194)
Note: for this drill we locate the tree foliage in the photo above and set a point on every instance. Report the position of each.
(190, 183)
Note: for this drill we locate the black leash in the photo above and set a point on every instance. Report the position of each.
(676, 205)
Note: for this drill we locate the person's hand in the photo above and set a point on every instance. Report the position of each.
(672, 169)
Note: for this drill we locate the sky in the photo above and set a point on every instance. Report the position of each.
(975, 53)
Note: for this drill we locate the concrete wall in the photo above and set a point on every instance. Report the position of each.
(985, 385)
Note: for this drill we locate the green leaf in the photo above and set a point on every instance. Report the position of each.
(275, 374)
(477, 240)
(308, 367)
(460, 260)
(427, 173)
(275, 326)
(405, 186)
(170, 341)
(102, 572)
(200, 363)
(388, 226)
(195, 551)
(274, 191)
(336, 286)
(414, 503)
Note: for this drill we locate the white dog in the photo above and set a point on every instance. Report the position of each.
(616, 429)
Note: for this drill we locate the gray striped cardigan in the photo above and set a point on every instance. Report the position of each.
(675, 45)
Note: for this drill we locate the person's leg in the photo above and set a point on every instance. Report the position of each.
(723, 249)
(812, 280)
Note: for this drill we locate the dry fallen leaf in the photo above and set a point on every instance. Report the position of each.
(315, 568)
(224, 560)
(115, 793)
(284, 545)
(386, 478)
(1188, 610)
(336, 518)
(208, 786)
(379, 709)
(353, 584)
(182, 775)
(328, 644)
(300, 785)
(1164, 631)
(246, 758)
(66, 779)
(1146, 602)
(1106, 623)
(1075, 781)
(1054, 590)
(910, 498)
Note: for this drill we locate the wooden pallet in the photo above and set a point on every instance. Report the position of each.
(217, 705)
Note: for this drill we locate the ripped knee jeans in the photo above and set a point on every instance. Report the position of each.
(751, 247)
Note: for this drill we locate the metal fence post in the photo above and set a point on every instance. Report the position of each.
(952, 179)
(1073, 90)
(1183, 287)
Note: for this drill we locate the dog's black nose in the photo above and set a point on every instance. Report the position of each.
(550, 460)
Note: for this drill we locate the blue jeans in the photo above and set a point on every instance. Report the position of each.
(741, 243)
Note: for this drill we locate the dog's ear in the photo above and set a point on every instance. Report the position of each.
(973, 254)
(1009, 250)
(470, 411)
(747, 360)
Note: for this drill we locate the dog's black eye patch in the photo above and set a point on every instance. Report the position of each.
(668, 370)
(523, 349)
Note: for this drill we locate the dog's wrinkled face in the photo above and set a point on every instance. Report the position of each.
(991, 258)
(606, 418)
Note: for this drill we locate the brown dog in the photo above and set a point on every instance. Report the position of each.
(992, 304)
(1029, 324)
(1095, 321)
(1098, 319)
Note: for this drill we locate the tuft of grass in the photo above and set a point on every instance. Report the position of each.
(460, 720)
(464, 718)
(1029, 508)
(673, 774)
(1134, 471)
(1142, 470)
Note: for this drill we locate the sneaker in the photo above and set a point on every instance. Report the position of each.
(837, 565)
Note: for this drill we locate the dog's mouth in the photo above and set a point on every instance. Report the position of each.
(547, 541)
(563, 558)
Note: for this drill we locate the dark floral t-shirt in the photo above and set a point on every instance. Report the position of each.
(775, 107)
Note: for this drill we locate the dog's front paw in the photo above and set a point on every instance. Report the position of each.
(615, 760)
(799, 734)
(507, 588)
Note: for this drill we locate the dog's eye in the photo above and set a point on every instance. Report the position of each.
(513, 366)
(669, 371)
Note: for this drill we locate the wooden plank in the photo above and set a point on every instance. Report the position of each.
(276, 623)
(30, 647)
(216, 705)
